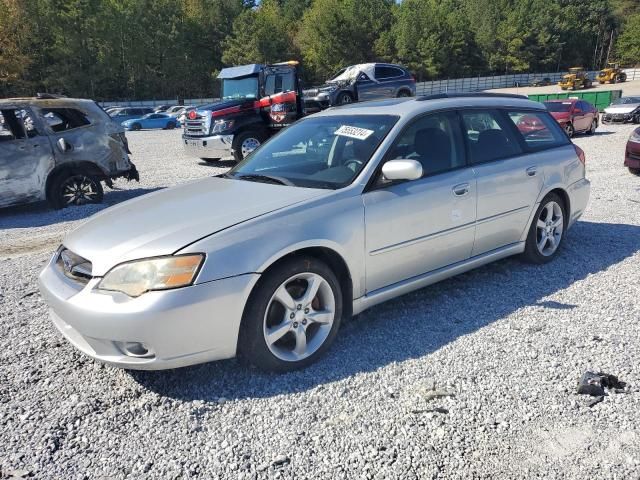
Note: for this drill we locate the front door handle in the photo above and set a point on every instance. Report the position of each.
(461, 189)
(531, 171)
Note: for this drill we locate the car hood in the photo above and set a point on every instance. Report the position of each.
(163, 222)
(627, 108)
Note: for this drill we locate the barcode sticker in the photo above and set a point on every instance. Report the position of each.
(353, 132)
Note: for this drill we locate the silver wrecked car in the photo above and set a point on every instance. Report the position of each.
(59, 150)
(343, 210)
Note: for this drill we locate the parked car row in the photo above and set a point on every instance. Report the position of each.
(164, 116)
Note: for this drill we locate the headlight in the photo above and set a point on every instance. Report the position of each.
(222, 125)
(635, 136)
(161, 273)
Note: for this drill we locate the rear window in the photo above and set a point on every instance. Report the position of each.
(382, 72)
(63, 119)
(558, 106)
(539, 129)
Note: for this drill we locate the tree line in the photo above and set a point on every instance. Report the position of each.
(145, 49)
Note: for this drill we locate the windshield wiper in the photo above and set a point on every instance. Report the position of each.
(254, 177)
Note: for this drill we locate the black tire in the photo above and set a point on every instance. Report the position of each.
(136, 127)
(634, 171)
(252, 345)
(621, 77)
(404, 94)
(569, 130)
(64, 182)
(243, 137)
(593, 127)
(344, 98)
(531, 252)
(171, 126)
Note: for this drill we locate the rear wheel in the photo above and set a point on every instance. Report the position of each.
(136, 126)
(621, 77)
(171, 126)
(292, 316)
(246, 142)
(74, 188)
(570, 131)
(592, 128)
(634, 171)
(404, 94)
(547, 230)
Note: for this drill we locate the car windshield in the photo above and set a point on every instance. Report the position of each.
(626, 101)
(240, 88)
(320, 152)
(558, 106)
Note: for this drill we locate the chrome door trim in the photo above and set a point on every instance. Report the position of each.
(413, 241)
(391, 291)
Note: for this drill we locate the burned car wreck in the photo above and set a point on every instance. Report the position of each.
(359, 83)
(59, 150)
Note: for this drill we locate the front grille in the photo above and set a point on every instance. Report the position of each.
(198, 126)
(74, 266)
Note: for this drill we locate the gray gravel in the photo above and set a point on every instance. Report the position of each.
(471, 378)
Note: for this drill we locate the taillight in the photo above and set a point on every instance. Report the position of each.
(580, 154)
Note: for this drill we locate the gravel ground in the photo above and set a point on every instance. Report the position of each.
(474, 377)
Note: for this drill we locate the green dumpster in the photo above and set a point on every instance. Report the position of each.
(601, 99)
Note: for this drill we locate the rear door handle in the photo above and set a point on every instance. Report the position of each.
(531, 171)
(461, 189)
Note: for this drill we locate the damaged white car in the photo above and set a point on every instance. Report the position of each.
(59, 150)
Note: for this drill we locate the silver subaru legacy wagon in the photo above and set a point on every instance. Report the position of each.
(339, 212)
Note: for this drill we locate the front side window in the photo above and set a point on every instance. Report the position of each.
(434, 141)
(240, 88)
(539, 129)
(63, 119)
(322, 152)
(489, 136)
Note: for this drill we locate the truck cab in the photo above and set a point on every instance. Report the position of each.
(257, 101)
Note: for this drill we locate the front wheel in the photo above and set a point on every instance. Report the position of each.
(245, 143)
(171, 126)
(292, 316)
(344, 98)
(136, 127)
(69, 189)
(547, 230)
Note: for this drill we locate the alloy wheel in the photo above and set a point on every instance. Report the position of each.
(78, 190)
(299, 317)
(549, 228)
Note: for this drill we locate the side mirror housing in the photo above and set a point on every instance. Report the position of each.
(63, 145)
(403, 169)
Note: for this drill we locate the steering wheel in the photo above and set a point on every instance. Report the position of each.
(355, 162)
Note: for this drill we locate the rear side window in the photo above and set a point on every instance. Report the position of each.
(539, 130)
(16, 124)
(383, 72)
(63, 119)
(489, 136)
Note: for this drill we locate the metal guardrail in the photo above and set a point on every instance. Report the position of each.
(477, 84)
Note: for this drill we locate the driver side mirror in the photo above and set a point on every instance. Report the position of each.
(63, 145)
(403, 169)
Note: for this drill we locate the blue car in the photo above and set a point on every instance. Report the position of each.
(123, 114)
(151, 120)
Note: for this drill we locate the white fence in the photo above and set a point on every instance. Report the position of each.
(476, 84)
(154, 103)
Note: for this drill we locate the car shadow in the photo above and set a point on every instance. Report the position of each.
(41, 214)
(418, 323)
(224, 163)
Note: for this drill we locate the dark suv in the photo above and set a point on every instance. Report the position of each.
(359, 83)
(60, 150)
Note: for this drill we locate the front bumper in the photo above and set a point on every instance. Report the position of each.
(179, 327)
(620, 117)
(216, 146)
(632, 156)
(316, 104)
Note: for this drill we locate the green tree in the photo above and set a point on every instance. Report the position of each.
(628, 44)
(13, 35)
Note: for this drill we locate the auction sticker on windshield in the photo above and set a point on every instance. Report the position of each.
(353, 132)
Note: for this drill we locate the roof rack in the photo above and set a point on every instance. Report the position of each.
(48, 96)
(438, 96)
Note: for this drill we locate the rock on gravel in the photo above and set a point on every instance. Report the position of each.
(471, 378)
